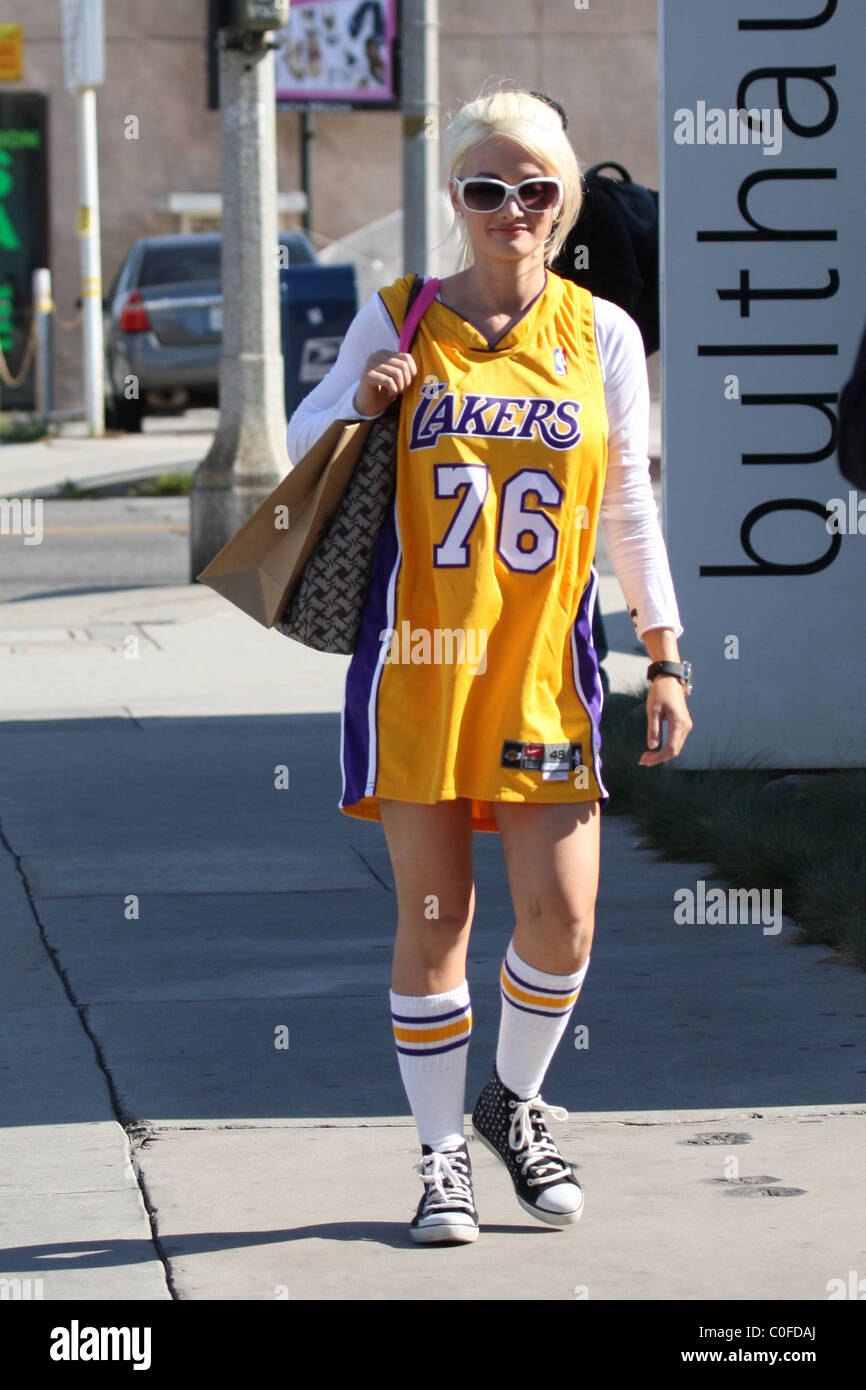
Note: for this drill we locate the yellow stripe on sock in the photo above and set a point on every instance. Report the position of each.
(429, 1035)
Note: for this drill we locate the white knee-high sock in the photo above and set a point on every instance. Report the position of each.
(431, 1033)
(536, 1008)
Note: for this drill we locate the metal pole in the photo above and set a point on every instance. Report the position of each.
(91, 262)
(248, 455)
(420, 101)
(42, 310)
(307, 133)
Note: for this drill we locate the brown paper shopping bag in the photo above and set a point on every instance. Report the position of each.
(258, 568)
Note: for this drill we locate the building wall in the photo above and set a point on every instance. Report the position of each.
(600, 62)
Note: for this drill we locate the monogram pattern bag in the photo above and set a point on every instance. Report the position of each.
(324, 610)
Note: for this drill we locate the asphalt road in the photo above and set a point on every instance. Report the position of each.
(104, 543)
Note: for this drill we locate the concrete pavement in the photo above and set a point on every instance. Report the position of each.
(198, 1091)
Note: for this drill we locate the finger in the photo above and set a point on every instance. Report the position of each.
(653, 737)
(678, 731)
(386, 377)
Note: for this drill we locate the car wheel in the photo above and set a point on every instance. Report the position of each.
(127, 414)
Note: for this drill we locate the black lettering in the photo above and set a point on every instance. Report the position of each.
(817, 402)
(761, 566)
(813, 22)
(745, 294)
(768, 349)
(761, 232)
(782, 75)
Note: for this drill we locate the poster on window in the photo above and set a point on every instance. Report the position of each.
(337, 53)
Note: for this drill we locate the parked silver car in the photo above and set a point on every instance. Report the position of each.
(163, 324)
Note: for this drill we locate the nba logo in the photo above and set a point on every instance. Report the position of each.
(559, 361)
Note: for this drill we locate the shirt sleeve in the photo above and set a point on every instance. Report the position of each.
(331, 399)
(629, 515)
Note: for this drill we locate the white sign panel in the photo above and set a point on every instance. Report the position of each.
(763, 114)
(83, 28)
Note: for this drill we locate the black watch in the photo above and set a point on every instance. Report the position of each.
(683, 672)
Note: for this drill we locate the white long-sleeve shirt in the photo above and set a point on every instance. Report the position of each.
(629, 515)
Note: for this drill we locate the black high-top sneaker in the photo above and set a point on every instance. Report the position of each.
(514, 1130)
(446, 1212)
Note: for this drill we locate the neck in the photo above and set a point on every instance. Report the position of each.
(506, 286)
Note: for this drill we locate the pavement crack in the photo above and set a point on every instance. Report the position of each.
(124, 1119)
(369, 867)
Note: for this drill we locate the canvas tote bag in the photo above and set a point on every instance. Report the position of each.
(301, 563)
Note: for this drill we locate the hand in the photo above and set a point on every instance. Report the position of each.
(385, 375)
(666, 702)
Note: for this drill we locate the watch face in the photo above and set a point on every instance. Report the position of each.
(687, 676)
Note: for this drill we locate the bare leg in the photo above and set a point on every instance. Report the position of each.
(431, 855)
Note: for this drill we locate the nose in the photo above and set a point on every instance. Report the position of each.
(512, 207)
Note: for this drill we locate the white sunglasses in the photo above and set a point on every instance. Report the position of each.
(489, 195)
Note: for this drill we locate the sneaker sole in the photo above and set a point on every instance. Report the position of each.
(443, 1234)
(550, 1218)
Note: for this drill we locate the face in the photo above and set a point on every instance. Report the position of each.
(511, 233)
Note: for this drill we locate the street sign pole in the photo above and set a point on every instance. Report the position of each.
(91, 262)
(83, 31)
(420, 101)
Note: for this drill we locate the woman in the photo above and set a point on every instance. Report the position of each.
(473, 697)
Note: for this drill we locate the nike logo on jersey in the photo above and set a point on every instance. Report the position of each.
(555, 423)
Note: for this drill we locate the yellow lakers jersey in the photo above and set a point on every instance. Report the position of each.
(474, 673)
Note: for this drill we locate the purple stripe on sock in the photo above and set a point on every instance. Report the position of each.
(363, 667)
(432, 1051)
(538, 989)
(431, 1018)
(542, 1013)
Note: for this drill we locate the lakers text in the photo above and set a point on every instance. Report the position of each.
(438, 646)
(729, 907)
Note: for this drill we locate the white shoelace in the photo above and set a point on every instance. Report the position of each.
(539, 1150)
(436, 1169)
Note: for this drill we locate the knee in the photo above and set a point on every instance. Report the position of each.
(564, 927)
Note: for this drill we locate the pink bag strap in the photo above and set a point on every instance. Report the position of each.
(423, 300)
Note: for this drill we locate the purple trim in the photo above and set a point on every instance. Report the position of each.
(543, 1013)
(590, 691)
(365, 663)
(390, 316)
(431, 1018)
(491, 347)
(432, 1051)
(542, 989)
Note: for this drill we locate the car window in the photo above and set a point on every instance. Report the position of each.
(172, 265)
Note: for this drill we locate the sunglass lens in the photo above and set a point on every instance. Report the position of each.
(538, 194)
(481, 196)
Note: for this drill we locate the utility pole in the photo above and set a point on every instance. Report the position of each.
(419, 50)
(83, 29)
(248, 454)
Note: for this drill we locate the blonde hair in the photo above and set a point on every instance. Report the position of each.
(523, 118)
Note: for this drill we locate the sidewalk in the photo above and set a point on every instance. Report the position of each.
(166, 445)
(167, 912)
